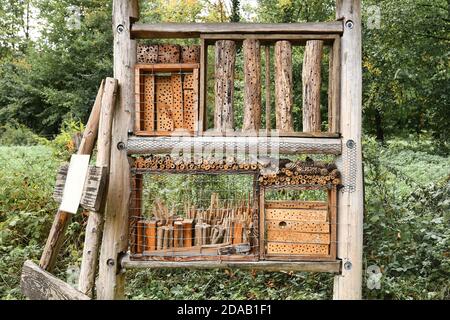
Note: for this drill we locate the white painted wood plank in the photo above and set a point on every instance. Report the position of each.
(73, 189)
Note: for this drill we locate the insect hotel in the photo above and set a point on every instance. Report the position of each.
(182, 181)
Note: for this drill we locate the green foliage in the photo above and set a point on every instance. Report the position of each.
(406, 231)
(27, 177)
(63, 145)
(226, 284)
(406, 221)
(14, 134)
(58, 76)
(406, 68)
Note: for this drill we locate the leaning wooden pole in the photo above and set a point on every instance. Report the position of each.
(311, 81)
(94, 226)
(62, 219)
(110, 283)
(284, 90)
(252, 85)
(350, 200)
(225, 57)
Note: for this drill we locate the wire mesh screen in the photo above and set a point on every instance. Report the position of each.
(178, 215)
(166, 99)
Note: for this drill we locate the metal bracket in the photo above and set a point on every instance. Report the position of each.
(349, 167)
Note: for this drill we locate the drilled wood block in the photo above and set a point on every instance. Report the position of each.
(168, 53)
(319, 205)
(189, 110)
(302, 237)
(190, 54)
(188, 81)
(296, 214)
(314, 227)
(177, 106)
(149, 102)
(300, 249)
(147, 53)
(164, 102)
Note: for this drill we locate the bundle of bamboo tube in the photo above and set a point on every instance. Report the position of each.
(215, 227)
(156, 162)
(302, 173)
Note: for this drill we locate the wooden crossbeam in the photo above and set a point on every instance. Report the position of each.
(194, 30)
(303, 266)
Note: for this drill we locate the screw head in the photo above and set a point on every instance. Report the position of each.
(110, 262)
(120, 28)
(350, 144)
(121, 145)
(348, 265)
(349, 24)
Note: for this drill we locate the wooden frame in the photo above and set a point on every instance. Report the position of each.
(140, 70)
(159, 255)
(194, 30)
(331, 220)
(299, 266)
(331, 40)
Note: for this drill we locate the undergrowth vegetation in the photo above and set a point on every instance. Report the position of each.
(406, 234)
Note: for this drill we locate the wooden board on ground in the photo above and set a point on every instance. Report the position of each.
(38, 284)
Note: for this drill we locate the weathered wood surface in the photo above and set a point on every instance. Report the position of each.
(38, 284)
(225, 56)
(284, 86)
(93, 190)
(309, 266)
(94, 225)
(348, 285)
(110, 284)
(194, 30)
(267, 85)
(62, 219)
(311, 83)
(252, 85)
(334, 86)
(203, 91)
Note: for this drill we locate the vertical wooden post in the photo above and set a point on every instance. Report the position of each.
(225, 57)
(62, 219)
(348, 284)
(203, 92)
(267, 57)
(94, 226)
(334, 85)
(311, 81)
(115, 236)
(252, 85)
(284, 90)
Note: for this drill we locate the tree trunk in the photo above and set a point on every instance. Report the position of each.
(311, 81)
(252, 85)
(283, 86)
(224, 87)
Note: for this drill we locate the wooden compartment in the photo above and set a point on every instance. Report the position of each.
(166, 99)
(208, 221)
(167, 85)
(299, 230)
